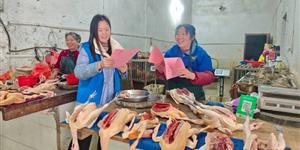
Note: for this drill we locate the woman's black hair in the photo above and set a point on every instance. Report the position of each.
(94, 34)
(74, 35)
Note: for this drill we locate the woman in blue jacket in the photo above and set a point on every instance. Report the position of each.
(198, 65)
(94, 67)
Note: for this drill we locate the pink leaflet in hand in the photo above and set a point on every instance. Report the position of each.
(156, 56)
(122, 56)
(173, 67)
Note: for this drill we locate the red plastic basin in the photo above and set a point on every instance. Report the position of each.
(27, 81)
(255, 64)
(71, 79)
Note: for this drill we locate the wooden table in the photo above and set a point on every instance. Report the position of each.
(19, 110)
(291, 134)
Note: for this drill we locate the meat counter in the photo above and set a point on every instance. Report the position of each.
(19, 110)
(263, 132)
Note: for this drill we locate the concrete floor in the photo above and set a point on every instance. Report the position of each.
(212, 90)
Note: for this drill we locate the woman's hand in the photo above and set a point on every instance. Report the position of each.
(105, 63)
(123, 69)
(185, 73)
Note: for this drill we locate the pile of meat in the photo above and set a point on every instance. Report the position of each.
(167, 110)
(49, 85)
(12, 94)
(7, 98)
(4, 86)
(84, 115)
(276, 78)
(141, 129)
(182, 96)
(213, 118)
(43, 90)
(253, 142)
(219, 122)
(176, 136)
(113, 123)
(218, 141)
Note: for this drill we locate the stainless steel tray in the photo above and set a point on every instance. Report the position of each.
(141, 105)
(135, 96)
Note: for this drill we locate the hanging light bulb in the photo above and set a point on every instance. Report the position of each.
(176, 10)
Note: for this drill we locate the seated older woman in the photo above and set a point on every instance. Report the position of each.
(67, 58)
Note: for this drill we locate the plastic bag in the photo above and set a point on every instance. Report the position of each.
(41, 69)
(8, 74)
(72, 80)
(5, 76)
(52, 58)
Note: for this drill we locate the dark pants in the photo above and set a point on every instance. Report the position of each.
(85, 144)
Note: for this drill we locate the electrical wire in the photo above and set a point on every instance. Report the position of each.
(151, 39)
(6, 32)
(24, 49)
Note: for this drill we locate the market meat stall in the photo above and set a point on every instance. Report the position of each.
(19, 110)
(263, 132)
(272, 77)
(278, 92)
